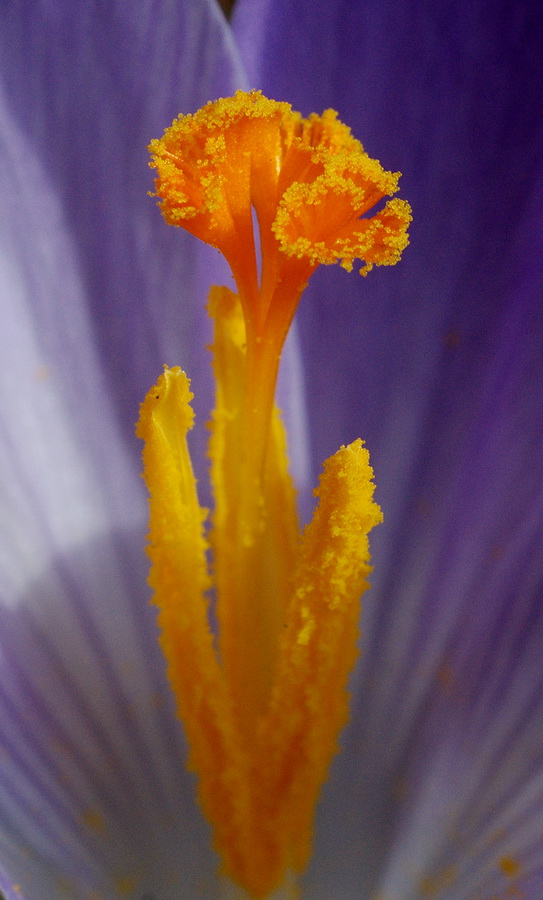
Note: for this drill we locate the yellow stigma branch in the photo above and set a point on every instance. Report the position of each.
(263, 699)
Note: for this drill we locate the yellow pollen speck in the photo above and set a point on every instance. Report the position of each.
(510, 866)
(94, 819)
(308, 626)
(126, 885)
(436, 884)
(263, 691)
(42, 373)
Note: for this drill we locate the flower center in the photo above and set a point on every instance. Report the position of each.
(264, 698)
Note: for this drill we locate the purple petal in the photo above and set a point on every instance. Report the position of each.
(438, 364)
(94, 798)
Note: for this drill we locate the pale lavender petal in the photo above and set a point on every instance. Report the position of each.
(438, 364)
(96, 295)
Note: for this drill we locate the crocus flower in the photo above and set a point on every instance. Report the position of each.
(439, 788)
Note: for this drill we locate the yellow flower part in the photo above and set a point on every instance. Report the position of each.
(263, 692)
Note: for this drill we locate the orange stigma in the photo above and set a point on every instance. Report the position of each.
(309, 183)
